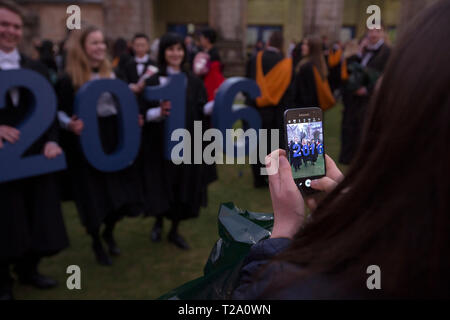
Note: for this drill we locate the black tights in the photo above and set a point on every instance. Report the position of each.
(175, 223)
(110, 223)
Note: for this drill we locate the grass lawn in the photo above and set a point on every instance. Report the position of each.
(146, 270)
(310, 169)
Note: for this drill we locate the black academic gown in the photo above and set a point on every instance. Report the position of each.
(271, 116)
(130, 73)
(174, 191)
(355, 106)
(98, 195)
(305, 91)
(31, 221)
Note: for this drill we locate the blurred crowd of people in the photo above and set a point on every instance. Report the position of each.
(151, 186)
(317, 74)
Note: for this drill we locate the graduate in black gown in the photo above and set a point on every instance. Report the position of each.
(311, 77)
(271, 105)
(31, 222)
(172, 191)
(136, 70)
(364, 70)
(100, 197)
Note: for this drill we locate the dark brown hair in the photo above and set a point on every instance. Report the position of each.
(13, 7)
(315, 56)
(393, 207)
(276, 40)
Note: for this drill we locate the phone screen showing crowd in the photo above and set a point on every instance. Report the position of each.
(305, 146)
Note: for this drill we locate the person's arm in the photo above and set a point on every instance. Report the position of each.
(289, 218)
(259, 256)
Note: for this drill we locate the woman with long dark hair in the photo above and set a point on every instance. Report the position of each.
(102, 198)
(172, 191)
(391, 211)
(311, 88)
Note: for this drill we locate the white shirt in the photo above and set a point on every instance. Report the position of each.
(154, 114)
(140, 64)
(11, 61)
(369, 55)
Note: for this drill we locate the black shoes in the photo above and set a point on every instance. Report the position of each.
(100, 254)
(111, 243)
(173, 237)
(38, 281)
(178, 240)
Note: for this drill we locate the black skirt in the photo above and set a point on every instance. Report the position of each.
(174, 191)
(31, 220)
(99, 194)
(152, 167)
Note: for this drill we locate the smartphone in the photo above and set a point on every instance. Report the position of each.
(305, 146)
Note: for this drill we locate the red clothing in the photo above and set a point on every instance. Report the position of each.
(213, 79)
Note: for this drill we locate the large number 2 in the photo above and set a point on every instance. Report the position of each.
(129, 131)
(38, 119)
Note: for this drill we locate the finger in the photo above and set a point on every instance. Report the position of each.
(58, 152)
(324, 184)
(10, 138)
(47, 152)
(311, 202)
(285, 169)
(14, 131)
(332, 170)
(273, 172)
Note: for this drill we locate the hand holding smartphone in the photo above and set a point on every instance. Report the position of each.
(305, 146)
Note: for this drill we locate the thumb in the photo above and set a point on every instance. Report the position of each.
(324, 184)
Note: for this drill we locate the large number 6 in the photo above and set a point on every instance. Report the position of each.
(38, 119)
(224, 117)
(129, 131)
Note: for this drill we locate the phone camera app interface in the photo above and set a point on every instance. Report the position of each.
(305, 147)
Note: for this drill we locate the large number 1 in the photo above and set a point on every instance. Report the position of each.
(174, 91)
(41, 114)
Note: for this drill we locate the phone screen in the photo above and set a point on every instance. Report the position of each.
(305, 145)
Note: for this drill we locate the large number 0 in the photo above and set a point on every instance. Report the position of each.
(223, 115)
(174, 91)
(38, 119)
(129, 131)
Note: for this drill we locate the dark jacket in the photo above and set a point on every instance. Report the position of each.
(260, 279)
